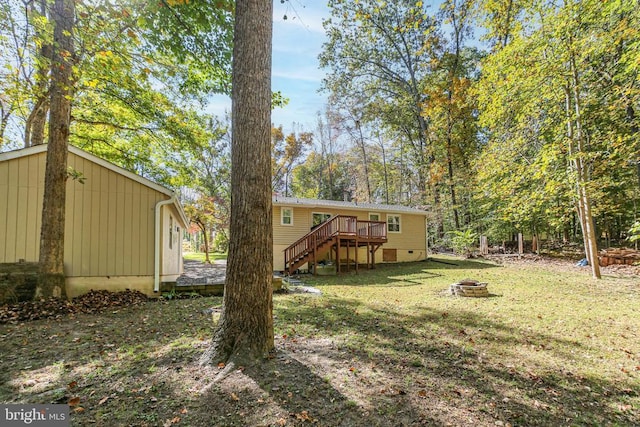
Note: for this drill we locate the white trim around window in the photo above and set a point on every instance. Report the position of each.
(286, 216)
(318, 218)
(394, 223)
(375, 216)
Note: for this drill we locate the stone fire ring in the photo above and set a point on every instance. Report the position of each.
(469, 288)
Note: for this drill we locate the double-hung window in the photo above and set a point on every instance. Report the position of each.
(286, 216)
(393, 223)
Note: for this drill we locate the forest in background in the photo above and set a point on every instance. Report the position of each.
(531, 127)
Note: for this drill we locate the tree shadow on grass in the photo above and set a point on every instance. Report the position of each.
(437, 263)
(434, 367)
(410, 273)
(129, 366)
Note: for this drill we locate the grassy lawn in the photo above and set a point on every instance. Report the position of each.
(200, 256)
(387, 347)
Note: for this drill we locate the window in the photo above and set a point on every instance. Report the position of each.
(393, 223)
(374, 216)
(286, 216)
(318, 218)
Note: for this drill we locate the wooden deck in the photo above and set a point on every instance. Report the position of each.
(339, 233)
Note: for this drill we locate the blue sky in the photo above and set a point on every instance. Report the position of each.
(297, 42)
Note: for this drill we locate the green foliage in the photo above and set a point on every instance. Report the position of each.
(634, 232)
(76, 175)
(463, 241)
(221, 242)
(532, 116)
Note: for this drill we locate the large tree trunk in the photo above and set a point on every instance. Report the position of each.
(52, 279)
(245, 331)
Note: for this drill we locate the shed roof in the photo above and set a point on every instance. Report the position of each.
(36, 149)
(335, 204)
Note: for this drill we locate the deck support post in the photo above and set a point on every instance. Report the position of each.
(356, 255)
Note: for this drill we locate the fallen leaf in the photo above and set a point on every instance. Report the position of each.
(422, 393)
(221, 365)
(72, 385)
(184, 411)
(78, 410)
(235, 397)
(74, 401)
(303, 416)
(103, 400)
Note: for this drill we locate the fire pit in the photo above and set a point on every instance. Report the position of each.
(469, 288)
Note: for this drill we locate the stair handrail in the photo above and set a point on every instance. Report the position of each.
(337, 224)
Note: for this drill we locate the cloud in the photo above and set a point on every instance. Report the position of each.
(309, 75)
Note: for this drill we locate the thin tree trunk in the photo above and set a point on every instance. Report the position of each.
(364, 161)
(37, 120)
(52, 278)
(5, 113)
(576, 151)
(452, 187)
(384, 169)
(245, 331)
(592, 239)
(205, 237)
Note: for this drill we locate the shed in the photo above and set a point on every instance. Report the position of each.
(122, 231)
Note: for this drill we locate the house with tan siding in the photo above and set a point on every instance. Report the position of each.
(122, 231)
(308, 231)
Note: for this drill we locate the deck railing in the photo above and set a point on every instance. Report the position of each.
(372, 230)
(338, 226)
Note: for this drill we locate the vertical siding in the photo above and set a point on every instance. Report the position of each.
(112, 197)
(129, 216)
(13, 212)
(4, 209)
(20, 207)
(34, 206)
(136, 212)
(103, 219)
(109, 228)
(110, 223)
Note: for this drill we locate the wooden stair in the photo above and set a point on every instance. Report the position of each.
(337, 231)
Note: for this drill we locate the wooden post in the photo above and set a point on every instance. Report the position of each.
(338, 255)
(356, 254)
(520, 245)
(373, 256)
(484, 245)
(347, 255)
(315, 261)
